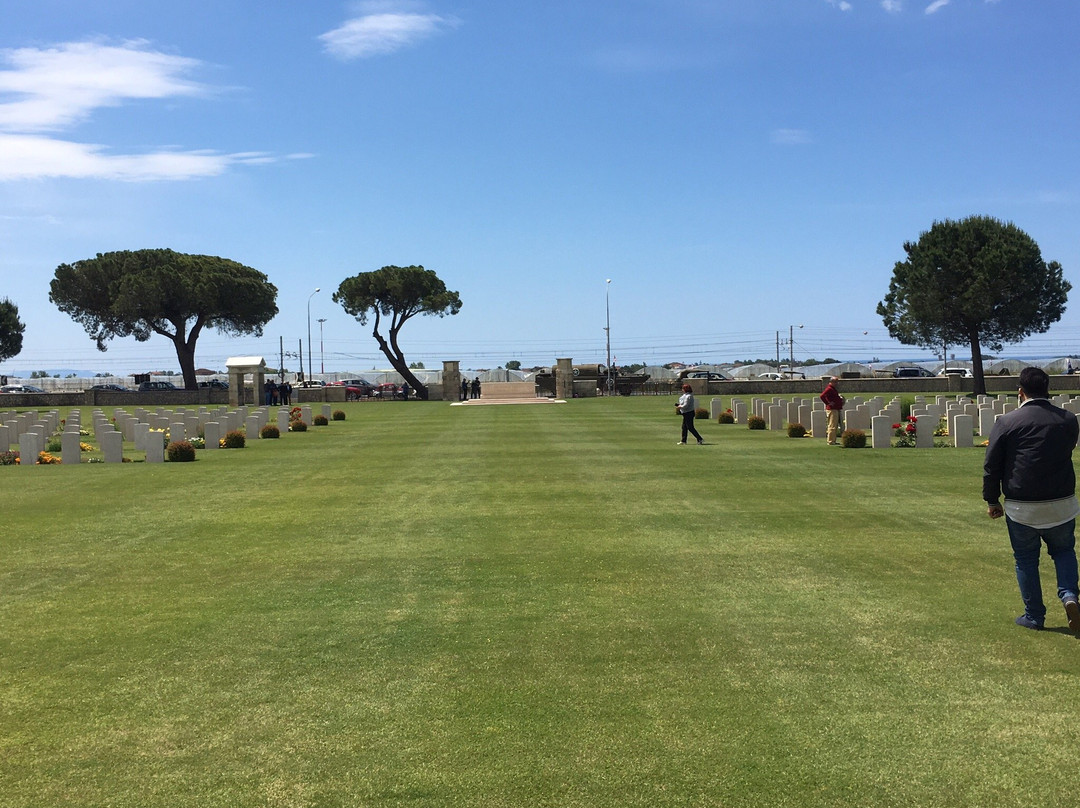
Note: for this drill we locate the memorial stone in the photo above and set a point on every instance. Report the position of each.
(963, 425)
(987, 416)
(29, 447)
(213, 434)
(70, 449)
(112, 446)
(739, 406)
(881, 431)
(776, 417)
(155, 451)
(142, 430)
(819, 421)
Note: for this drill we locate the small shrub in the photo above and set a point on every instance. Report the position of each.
(54, 444)
(796, 431)
(270, 431)
(298, 426)
(701, 412)
(234, 439)
(755, 422)
(726, 417)
(853, 439)
(180, 451)
(9, 458)
(338, 415)
(320, 420)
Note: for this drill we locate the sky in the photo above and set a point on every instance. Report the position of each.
(741, 172)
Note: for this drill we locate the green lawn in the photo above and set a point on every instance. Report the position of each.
(524, 606)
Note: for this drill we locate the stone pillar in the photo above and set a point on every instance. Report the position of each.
(564, 378)
(451, 380)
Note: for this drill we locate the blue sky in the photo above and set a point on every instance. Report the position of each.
(735, 168)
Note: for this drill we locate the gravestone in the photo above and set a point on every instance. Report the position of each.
(112, 446)
(987, 416)
(70, 449)
(155, 451)
(213, 435)
(881, 429)
(776, 417)
(963, 425)
(924, 433)
(740, 411)
(819, 422)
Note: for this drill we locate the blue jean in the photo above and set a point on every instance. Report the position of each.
(1061, 546)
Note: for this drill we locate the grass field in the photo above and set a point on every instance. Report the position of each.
(524, 606)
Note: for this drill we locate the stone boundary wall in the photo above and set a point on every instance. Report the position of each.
(941, 386)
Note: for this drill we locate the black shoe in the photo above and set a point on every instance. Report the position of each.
(1072, 612)
(1026, 622)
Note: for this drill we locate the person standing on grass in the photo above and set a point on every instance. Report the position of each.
(1029, 460)
(834, 405)
(688, 410)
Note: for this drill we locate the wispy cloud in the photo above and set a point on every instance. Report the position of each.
(48, 90)
(383, 28)
(56, 87)
(843, 5)
(936, 6)
(892, 6)
(790, 137)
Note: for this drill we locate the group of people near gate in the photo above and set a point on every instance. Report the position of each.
(277, 394)
(470, 389)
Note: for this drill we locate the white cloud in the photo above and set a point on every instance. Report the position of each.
(843, 5)
(37, 157)
(57, 87)
(892, 6)
(790, 137)
(936, 6)
(53, 89)
(387, 28)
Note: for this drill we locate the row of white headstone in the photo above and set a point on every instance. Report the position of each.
(964, 417)
(30, 431)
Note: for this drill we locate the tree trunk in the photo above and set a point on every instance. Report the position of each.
(185, 354)
(397, 360)
(977, 364)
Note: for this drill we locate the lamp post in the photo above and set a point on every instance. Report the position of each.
(607, 330)
(317, 290)
(791, 350)
(322, 365)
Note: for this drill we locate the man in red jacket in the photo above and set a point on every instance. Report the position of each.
(834, 403)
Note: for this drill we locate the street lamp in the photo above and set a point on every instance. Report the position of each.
(607, 329)
(322, 366)
(317, 290)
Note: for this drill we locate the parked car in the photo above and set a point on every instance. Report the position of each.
(355, 388)
(113, 388)
(215, 384)
(710, 375)
(146, 387)
(20, 388)
(911, 372)
(313, 383)
(386, 390)
(774, 376)
(963, 373)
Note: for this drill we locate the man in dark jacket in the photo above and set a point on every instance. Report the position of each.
(1029, 460)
